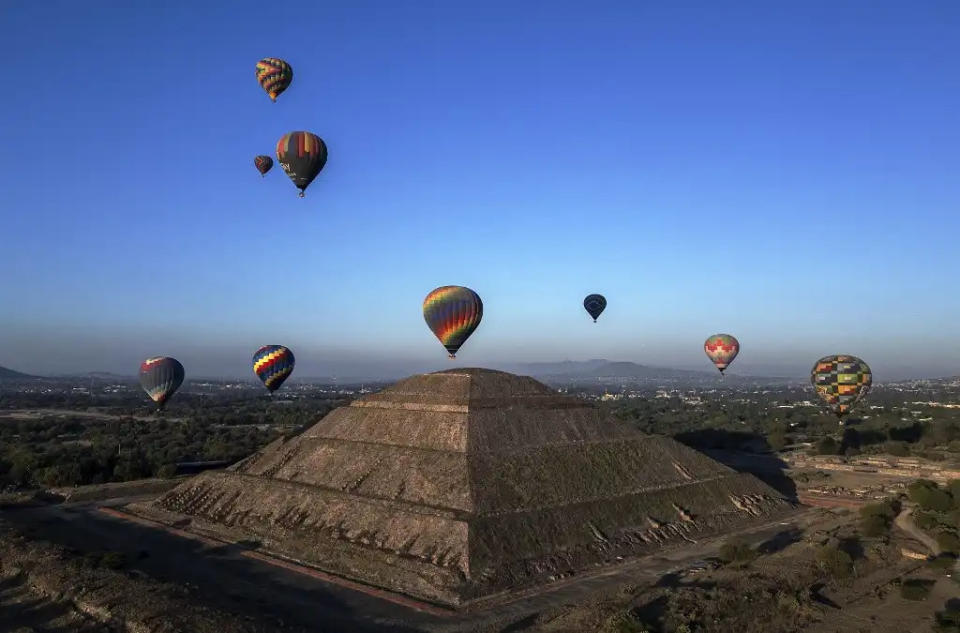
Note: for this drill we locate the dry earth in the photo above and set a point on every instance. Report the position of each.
(782, 591)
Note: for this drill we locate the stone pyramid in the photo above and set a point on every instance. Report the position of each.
(461, 484)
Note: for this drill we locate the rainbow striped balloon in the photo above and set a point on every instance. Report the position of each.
(452, 313)
(721, 349)
(273, 364)
(160, 377)
(274, 76)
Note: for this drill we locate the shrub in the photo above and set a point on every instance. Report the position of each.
(167, 471)
(933, 499)
(874, 525)
(943, 562)
(836, 562)
(953, 519)
(948, 620)
(898, 449)
(777, 439)
(954, 488)
(949, 542)
(624, 622)
(737, 551)
(916, 589)
(888, 509)
(828, 446)
(113, 560)
(925, 520)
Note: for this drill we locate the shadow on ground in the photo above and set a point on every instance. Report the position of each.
(219, 576)
(780, 541)
(745, 453)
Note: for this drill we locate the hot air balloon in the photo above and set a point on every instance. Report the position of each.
(595, 305)
(273, 364)
(302, 155)
(841, 381)
(274, 76)
(263, 164)
(452, 313)
(160, 377)
(721, 349)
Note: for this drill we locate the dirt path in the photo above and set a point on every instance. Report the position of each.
(904, 522)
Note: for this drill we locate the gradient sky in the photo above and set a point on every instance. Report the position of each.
(790, 175)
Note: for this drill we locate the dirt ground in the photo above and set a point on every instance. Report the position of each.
(44, 587)
(24, 610)
(783, 590)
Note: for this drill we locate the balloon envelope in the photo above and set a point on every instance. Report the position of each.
(721, 349)
(160, 377)
(263, 164)
(841, 381)
(274, 76)
(595, 305)
(302, 155)
(273, 364)
(452, 314)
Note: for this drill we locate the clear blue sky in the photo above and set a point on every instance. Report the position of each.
(790, 175)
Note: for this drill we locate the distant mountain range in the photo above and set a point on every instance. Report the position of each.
(9, 374)
(603, 370)
(600, 368)
(566, 372)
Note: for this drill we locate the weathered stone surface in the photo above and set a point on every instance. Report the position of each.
(463, 483)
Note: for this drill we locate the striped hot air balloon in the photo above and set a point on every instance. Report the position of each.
(721, 349)
(160, 377)
(595, 305)
(302, 155)
(273, 364)
(841, 381)
(452, 314)
(263, 164)
(274, 76)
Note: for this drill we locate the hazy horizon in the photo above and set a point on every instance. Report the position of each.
(784, 174)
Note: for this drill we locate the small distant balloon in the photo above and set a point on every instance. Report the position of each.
(160, 377)
(452, 313)
(841, 381)
(274, 76)
(302, 155)
(721, 349)
(273, 364)
(595, 305)
(263, 164)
